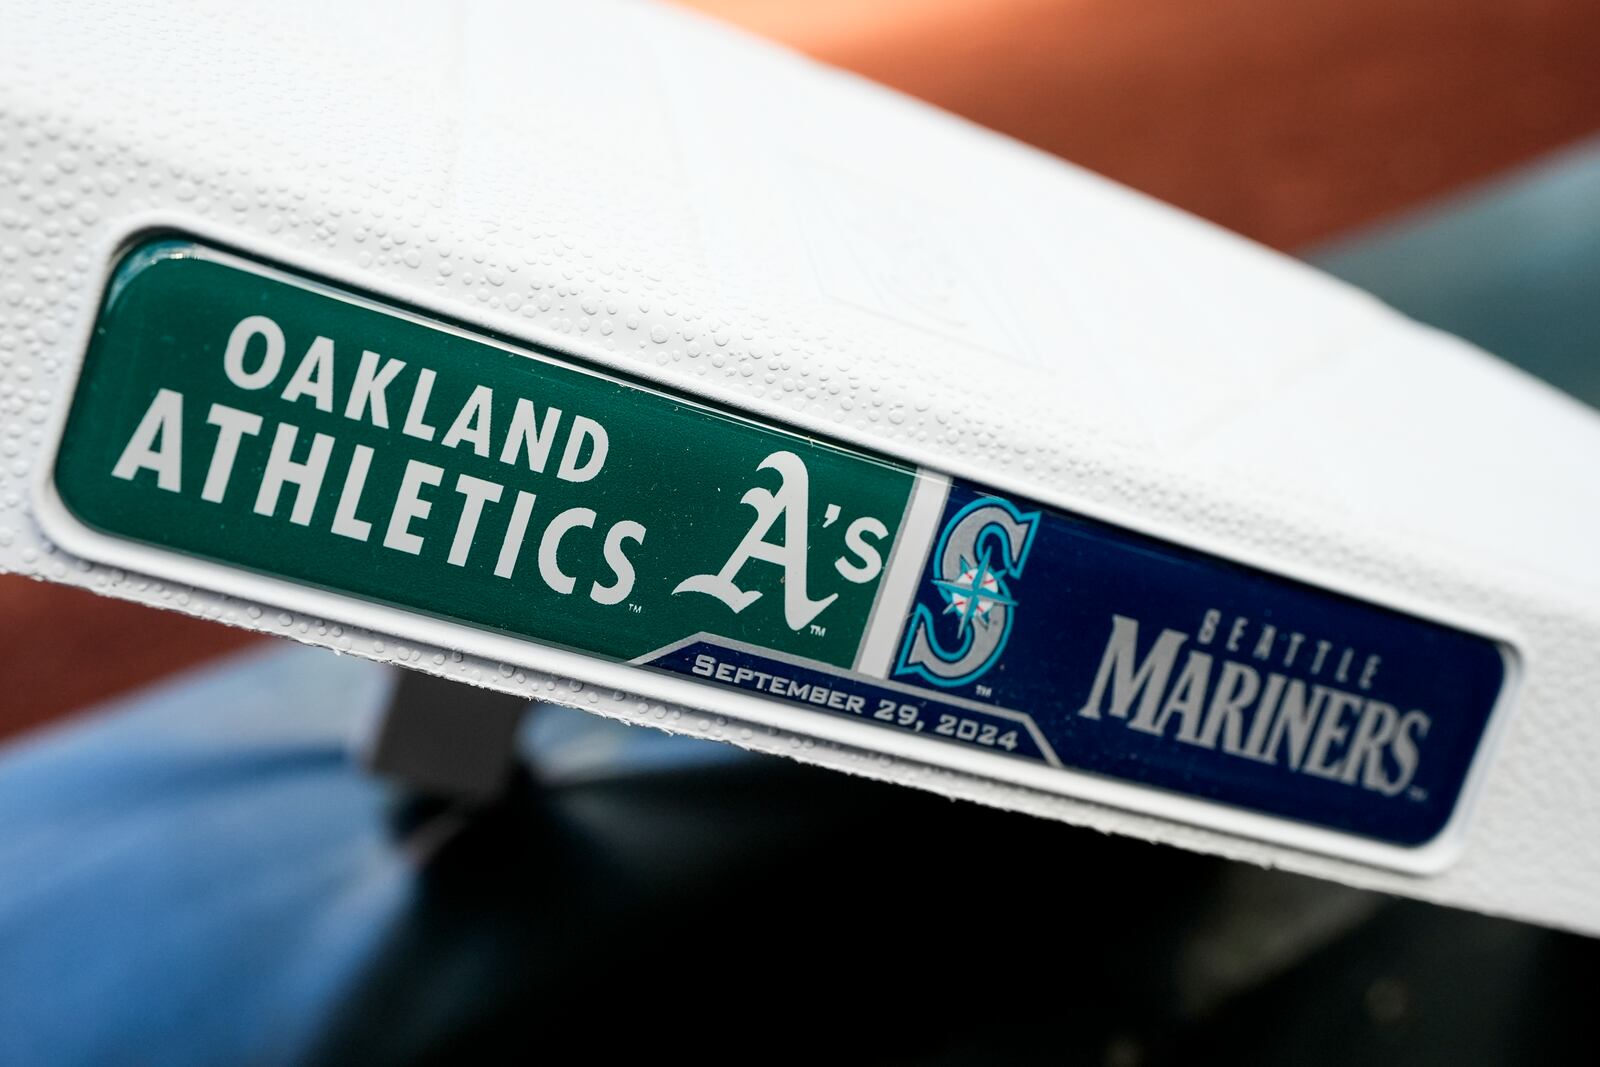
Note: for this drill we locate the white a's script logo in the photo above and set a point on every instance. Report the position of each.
(789, 503)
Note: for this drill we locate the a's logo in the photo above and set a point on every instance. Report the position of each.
(788, 509)
(983, 548)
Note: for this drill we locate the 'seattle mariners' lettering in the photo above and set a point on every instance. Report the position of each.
(1234, 707)
(239, 414)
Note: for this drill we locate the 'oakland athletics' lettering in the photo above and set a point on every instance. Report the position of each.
(297, 465)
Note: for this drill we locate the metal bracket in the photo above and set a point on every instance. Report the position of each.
(444, 738)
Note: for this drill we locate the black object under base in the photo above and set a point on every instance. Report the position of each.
(206, 876)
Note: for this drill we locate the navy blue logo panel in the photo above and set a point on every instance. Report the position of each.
(1154, 664)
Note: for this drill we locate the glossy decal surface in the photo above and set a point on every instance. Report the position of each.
(235, 413)
(1150, 663)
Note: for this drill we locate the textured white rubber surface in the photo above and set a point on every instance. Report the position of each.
(660, 195)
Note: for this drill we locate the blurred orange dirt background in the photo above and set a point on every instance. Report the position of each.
(1287, 120)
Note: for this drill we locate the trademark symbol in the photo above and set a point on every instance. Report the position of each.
(818, 631)
(985, 691)
(1416, 793)
(635, 608)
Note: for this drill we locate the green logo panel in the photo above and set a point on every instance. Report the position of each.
(238, 413)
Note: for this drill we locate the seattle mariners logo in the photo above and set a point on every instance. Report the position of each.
(983, 547)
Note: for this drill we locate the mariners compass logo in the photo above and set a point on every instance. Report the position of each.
(981, 551)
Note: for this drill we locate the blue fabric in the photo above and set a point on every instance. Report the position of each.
(202, 875)
(188, 817)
